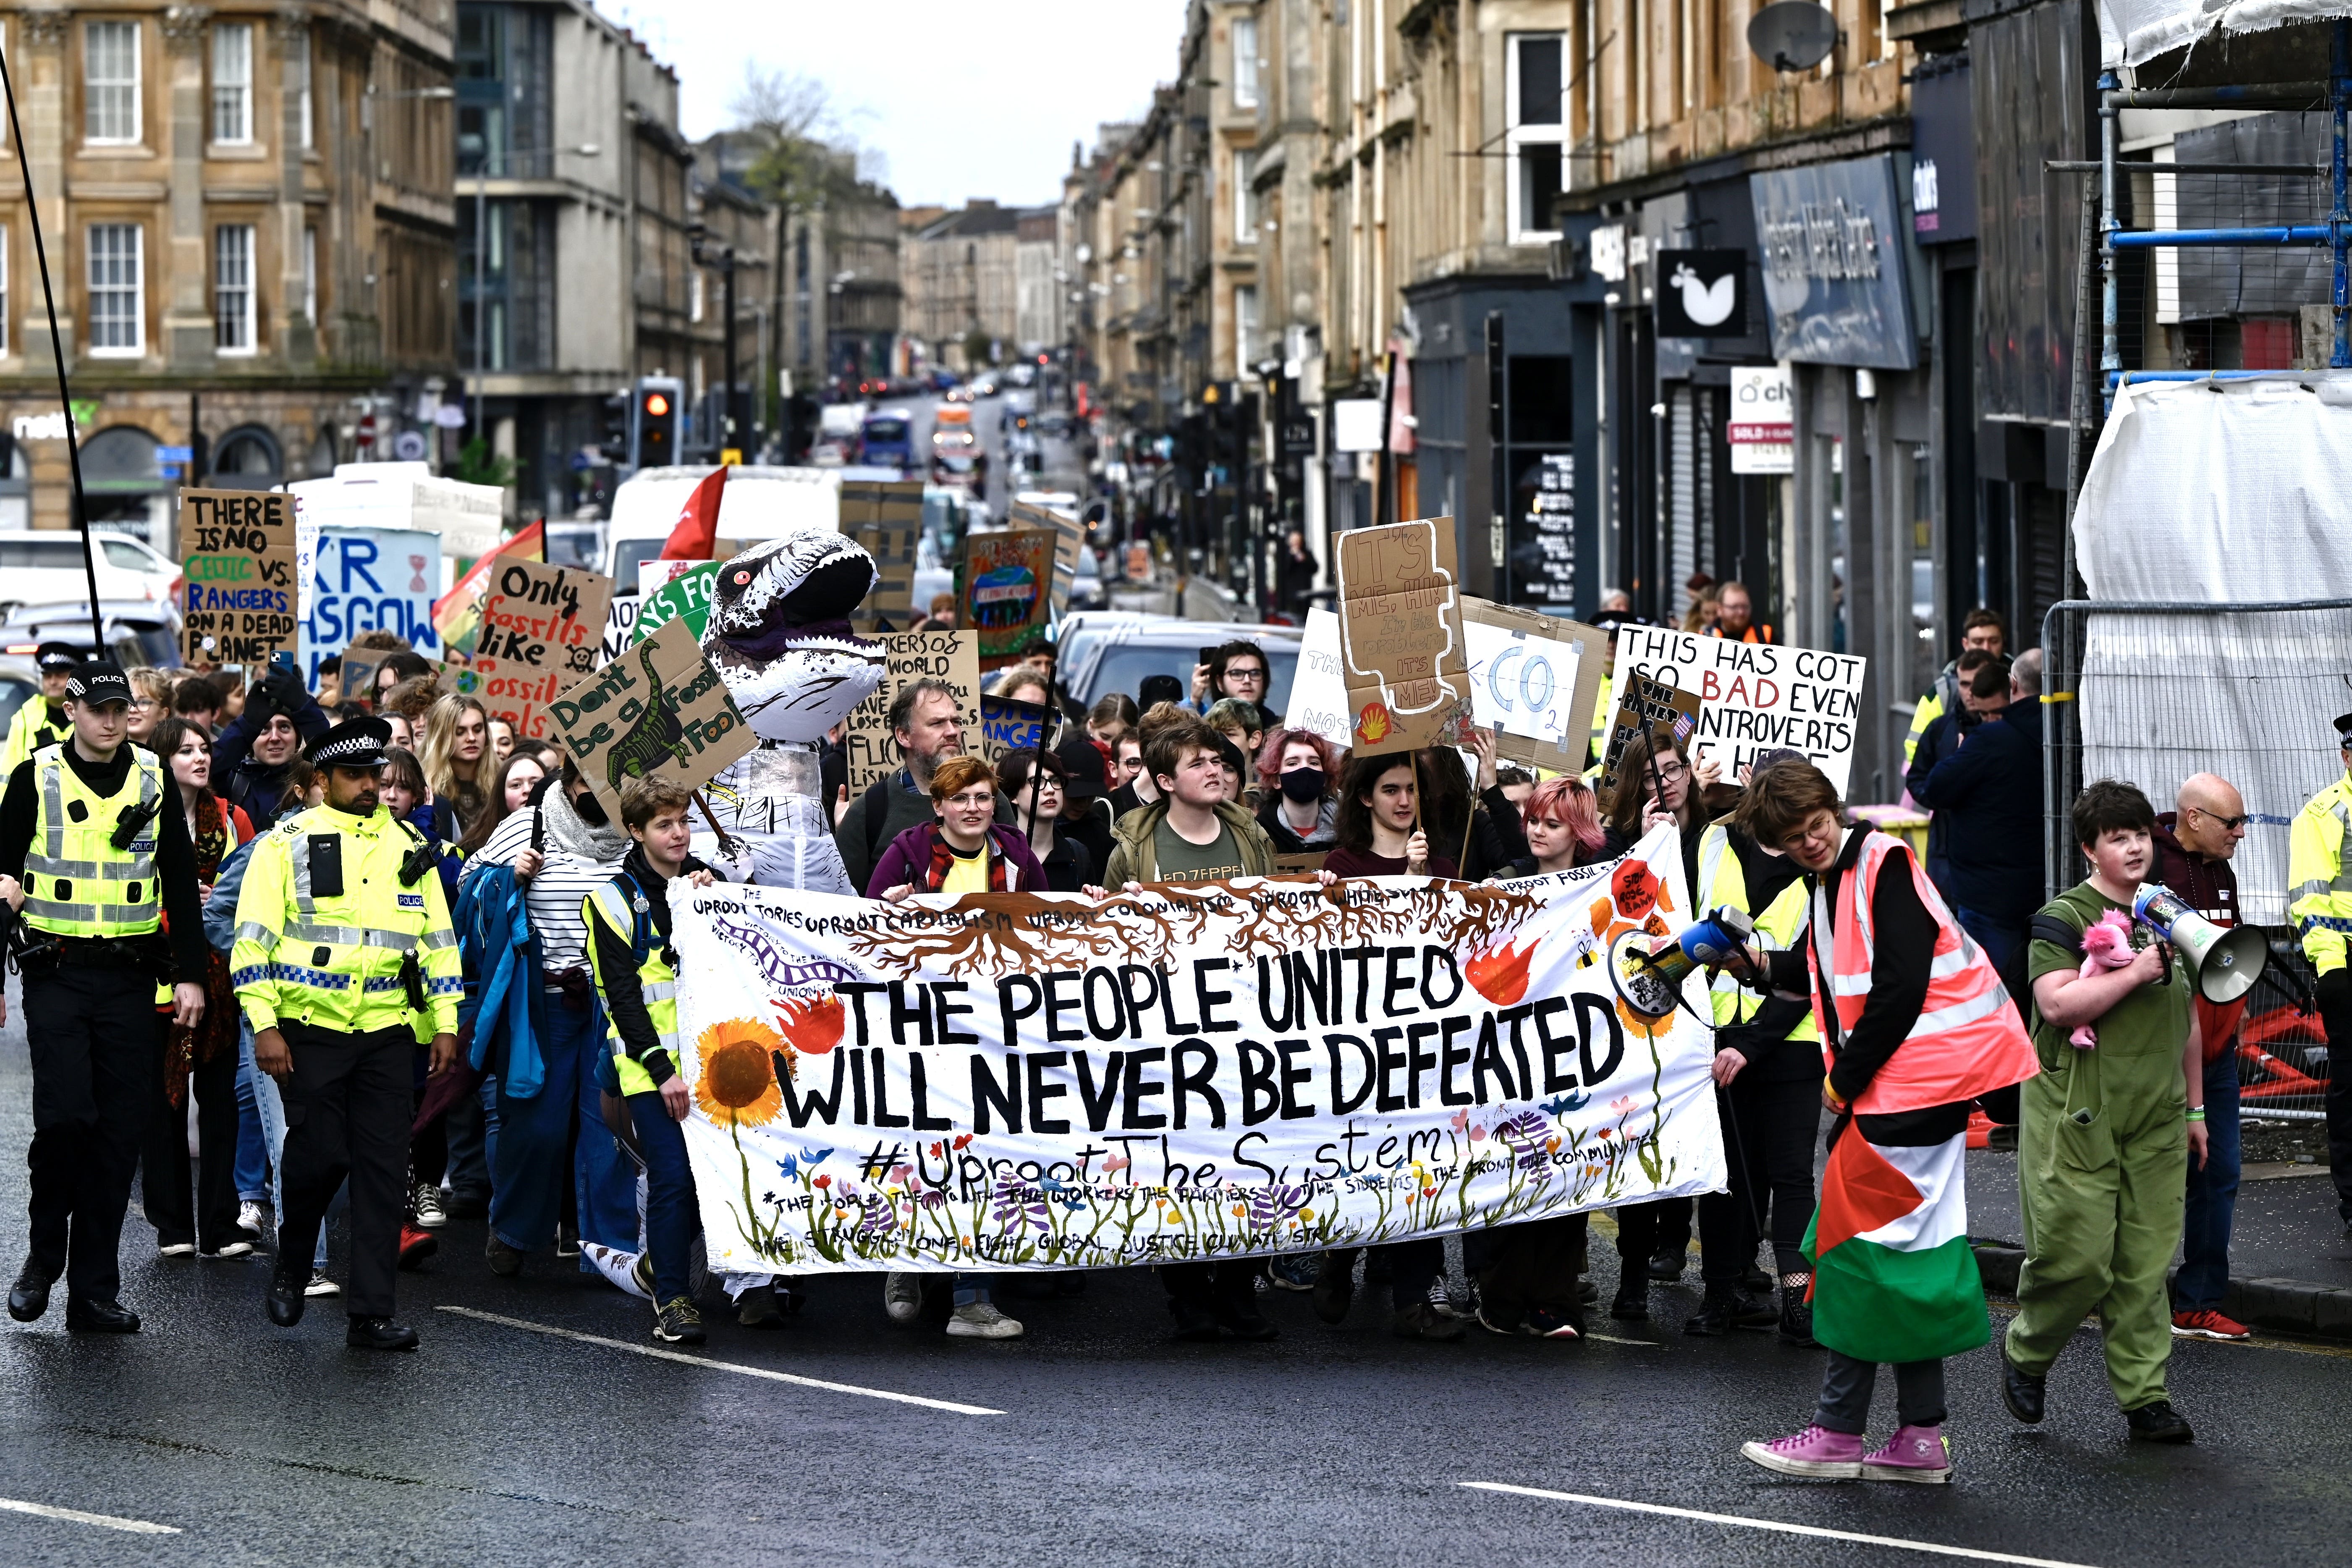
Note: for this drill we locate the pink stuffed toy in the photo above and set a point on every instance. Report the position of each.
(2106, 944)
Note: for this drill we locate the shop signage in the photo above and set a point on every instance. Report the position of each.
(1702, 293)
(1762, 429)
(1835, 280)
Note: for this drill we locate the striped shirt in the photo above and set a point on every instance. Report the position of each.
(554, 896)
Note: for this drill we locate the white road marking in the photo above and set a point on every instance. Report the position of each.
(709, 1364)
(1613, 1339)
(1819, 1532)
(76, 1516)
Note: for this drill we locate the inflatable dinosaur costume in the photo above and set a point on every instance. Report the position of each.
(779, 635)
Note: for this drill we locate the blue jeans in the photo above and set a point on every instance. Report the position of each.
(530, 1164)
(2213, 1200)
(672, 1217)
(253, 1165)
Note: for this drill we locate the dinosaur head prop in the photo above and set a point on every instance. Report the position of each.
(778, 634)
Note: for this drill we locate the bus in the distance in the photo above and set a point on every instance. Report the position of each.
(888, 441)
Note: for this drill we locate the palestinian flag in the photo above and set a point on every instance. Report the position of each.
(1894, 1277)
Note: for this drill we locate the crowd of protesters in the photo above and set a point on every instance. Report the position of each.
(1201, 780)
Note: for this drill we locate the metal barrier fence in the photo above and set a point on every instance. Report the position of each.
(2152, 693)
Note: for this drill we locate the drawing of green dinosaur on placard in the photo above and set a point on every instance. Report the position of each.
(656, 737)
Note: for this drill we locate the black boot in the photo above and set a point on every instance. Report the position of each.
(28, 1298)
(1716, 1310)
(1796, 1317)
(92, 1315)
(1633, 1303)
(374, 1333)
(1753, 1311)
(1335, 1286)
(2022, 1393)
(285, 1299)
(1195, 1321)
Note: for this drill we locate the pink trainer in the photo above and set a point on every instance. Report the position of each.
(1816, 1451)
(1915, 1454)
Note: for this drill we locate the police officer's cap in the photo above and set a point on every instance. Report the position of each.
(2344, 729)
(56, 655)
(353, 743)
(98, 682)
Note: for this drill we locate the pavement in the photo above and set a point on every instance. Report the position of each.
(539, 1425)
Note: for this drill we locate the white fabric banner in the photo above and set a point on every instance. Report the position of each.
(2132, 32)
(1023, 1081)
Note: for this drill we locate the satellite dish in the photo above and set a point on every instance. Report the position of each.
(1793, 35)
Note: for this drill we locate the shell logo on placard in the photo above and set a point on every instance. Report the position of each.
(1372, 724)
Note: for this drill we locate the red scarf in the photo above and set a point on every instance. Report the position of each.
(943, 857)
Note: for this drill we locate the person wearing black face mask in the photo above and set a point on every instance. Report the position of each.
(1301, 812)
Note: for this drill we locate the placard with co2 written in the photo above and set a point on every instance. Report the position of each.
(237, 603)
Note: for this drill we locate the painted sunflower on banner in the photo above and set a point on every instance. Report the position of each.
(737, 1085)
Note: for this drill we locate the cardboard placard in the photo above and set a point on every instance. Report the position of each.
(1069, 538)
(1007, 593)
(355, 678)
(237, 599)
(542, 627)
(1402, 656)
(1644, 704)
(1009, 725)
(866, 741)
(1755, 696)
(885, 518)
(1533, 681)
(659, 709)
(620, 628)
(684, 597)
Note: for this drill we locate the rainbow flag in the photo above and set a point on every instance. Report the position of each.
(1894, 1277)
(457, 614)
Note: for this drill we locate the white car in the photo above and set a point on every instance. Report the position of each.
(43, 566)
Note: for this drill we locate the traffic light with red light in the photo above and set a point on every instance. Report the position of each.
(656, 415)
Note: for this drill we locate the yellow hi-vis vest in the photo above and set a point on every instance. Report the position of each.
(77, 883)
(32, 727)
(622, 908)
(2318, 883)
(333, 960)
(1779, 927)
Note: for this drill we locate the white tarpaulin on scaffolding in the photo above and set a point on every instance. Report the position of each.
(2132, 31)
(2216, 492)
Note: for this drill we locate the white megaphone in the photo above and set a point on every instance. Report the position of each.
(2224, 962)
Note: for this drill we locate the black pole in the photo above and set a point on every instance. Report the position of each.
(1383, 474)
(727, 273)
(1499, 496)
(57, 349)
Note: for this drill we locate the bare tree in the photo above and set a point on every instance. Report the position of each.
(804, 155)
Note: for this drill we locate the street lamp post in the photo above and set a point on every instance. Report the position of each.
(722, 257)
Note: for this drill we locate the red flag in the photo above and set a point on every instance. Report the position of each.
(697, 522)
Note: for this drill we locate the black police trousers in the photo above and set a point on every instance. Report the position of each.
(348, 1105)
(96, 1047)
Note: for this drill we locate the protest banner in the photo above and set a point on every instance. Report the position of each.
(1021, 1080)
(370, 579)
(1069, 538)
(1755, 697)
(238, 600)
(542, 629)
(1533, 681)
(1644, 705)
(1006, 574)
(1401, 637)
(885, 518)
(659, 709)
(1009, 725)
(1318, 694)
(866, 743)
(685, 594)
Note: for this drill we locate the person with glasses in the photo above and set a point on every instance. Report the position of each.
(1657, 782)
(1237, 669)
(2319, 902)
(151, 703)
(1987, 794)
(2195, 843)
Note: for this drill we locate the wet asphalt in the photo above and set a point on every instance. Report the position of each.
(497, 1444)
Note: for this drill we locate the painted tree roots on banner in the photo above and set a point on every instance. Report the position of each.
(1047, 1082)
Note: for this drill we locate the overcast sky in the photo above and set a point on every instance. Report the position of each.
(981, 98)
